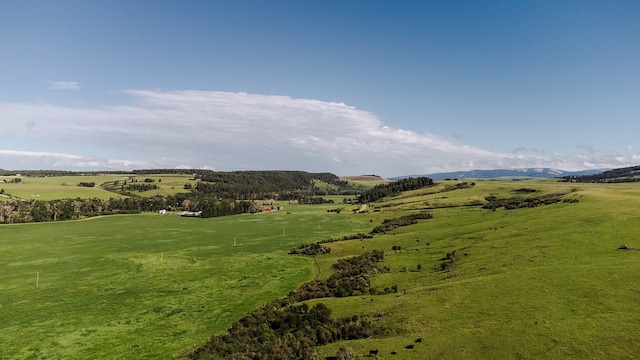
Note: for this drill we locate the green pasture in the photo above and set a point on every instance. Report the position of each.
(364, 182)
(539, 283)
(150, 285)
(66, 187)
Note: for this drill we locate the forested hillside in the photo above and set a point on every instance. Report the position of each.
(396, 187)
(621, 175)
(284, 185)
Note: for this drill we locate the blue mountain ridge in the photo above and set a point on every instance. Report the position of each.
(504, 173)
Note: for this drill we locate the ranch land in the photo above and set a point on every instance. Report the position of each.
(504, 270)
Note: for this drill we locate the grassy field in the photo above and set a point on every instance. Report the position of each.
(147, 286)
(545, 282)
(60, 187)
(364, 182)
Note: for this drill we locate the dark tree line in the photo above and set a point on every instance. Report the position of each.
(139, 187)
(275, 333)
(254, 185)
(383, 190)
(128, 187)
(310, 249)
(319, 248)
(352, 276)
(72, 209)
(621, 175)
(390, 224)
(518, 203)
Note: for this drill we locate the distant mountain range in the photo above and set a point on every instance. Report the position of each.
(504, 173)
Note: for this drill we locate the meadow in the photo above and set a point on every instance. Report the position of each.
(543, 282)
(61, 187)
(149, 285)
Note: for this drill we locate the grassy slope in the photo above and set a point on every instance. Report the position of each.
(59, 187)
(104, 293)
(545, 282)
(364, 182)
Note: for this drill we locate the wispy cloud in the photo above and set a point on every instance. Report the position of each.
(234, 131)
(64, 85)
(71, 161)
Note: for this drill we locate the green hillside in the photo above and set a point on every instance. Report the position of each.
(504, 269)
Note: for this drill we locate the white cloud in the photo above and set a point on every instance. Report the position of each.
(235, 131)
(71, 161)
(64, 85)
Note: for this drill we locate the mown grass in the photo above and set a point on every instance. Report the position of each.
(147, 286)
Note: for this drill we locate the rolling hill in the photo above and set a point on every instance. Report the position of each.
(504, 173)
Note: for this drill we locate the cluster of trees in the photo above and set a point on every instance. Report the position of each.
(318, 248)
(390, 224)
(525, 190)
(253, 185)
(621, 175)
(310, 249)
(352, 276)
(292, 332)
(67, 209)
(71, 209)
(126, 187)
(140, 187)
(383, 190)
(518, 203)
(313, 200)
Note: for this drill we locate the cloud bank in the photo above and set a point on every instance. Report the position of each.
(239, 131)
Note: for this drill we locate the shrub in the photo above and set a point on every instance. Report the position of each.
(345, 354)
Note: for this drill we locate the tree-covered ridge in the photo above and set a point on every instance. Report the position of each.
(252, 185)
(621, 175)
(383, 190)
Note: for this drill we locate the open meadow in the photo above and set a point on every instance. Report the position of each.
(149, 285)
(60, 187)
(472, 283)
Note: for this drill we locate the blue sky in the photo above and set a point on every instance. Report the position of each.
(349, 87)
